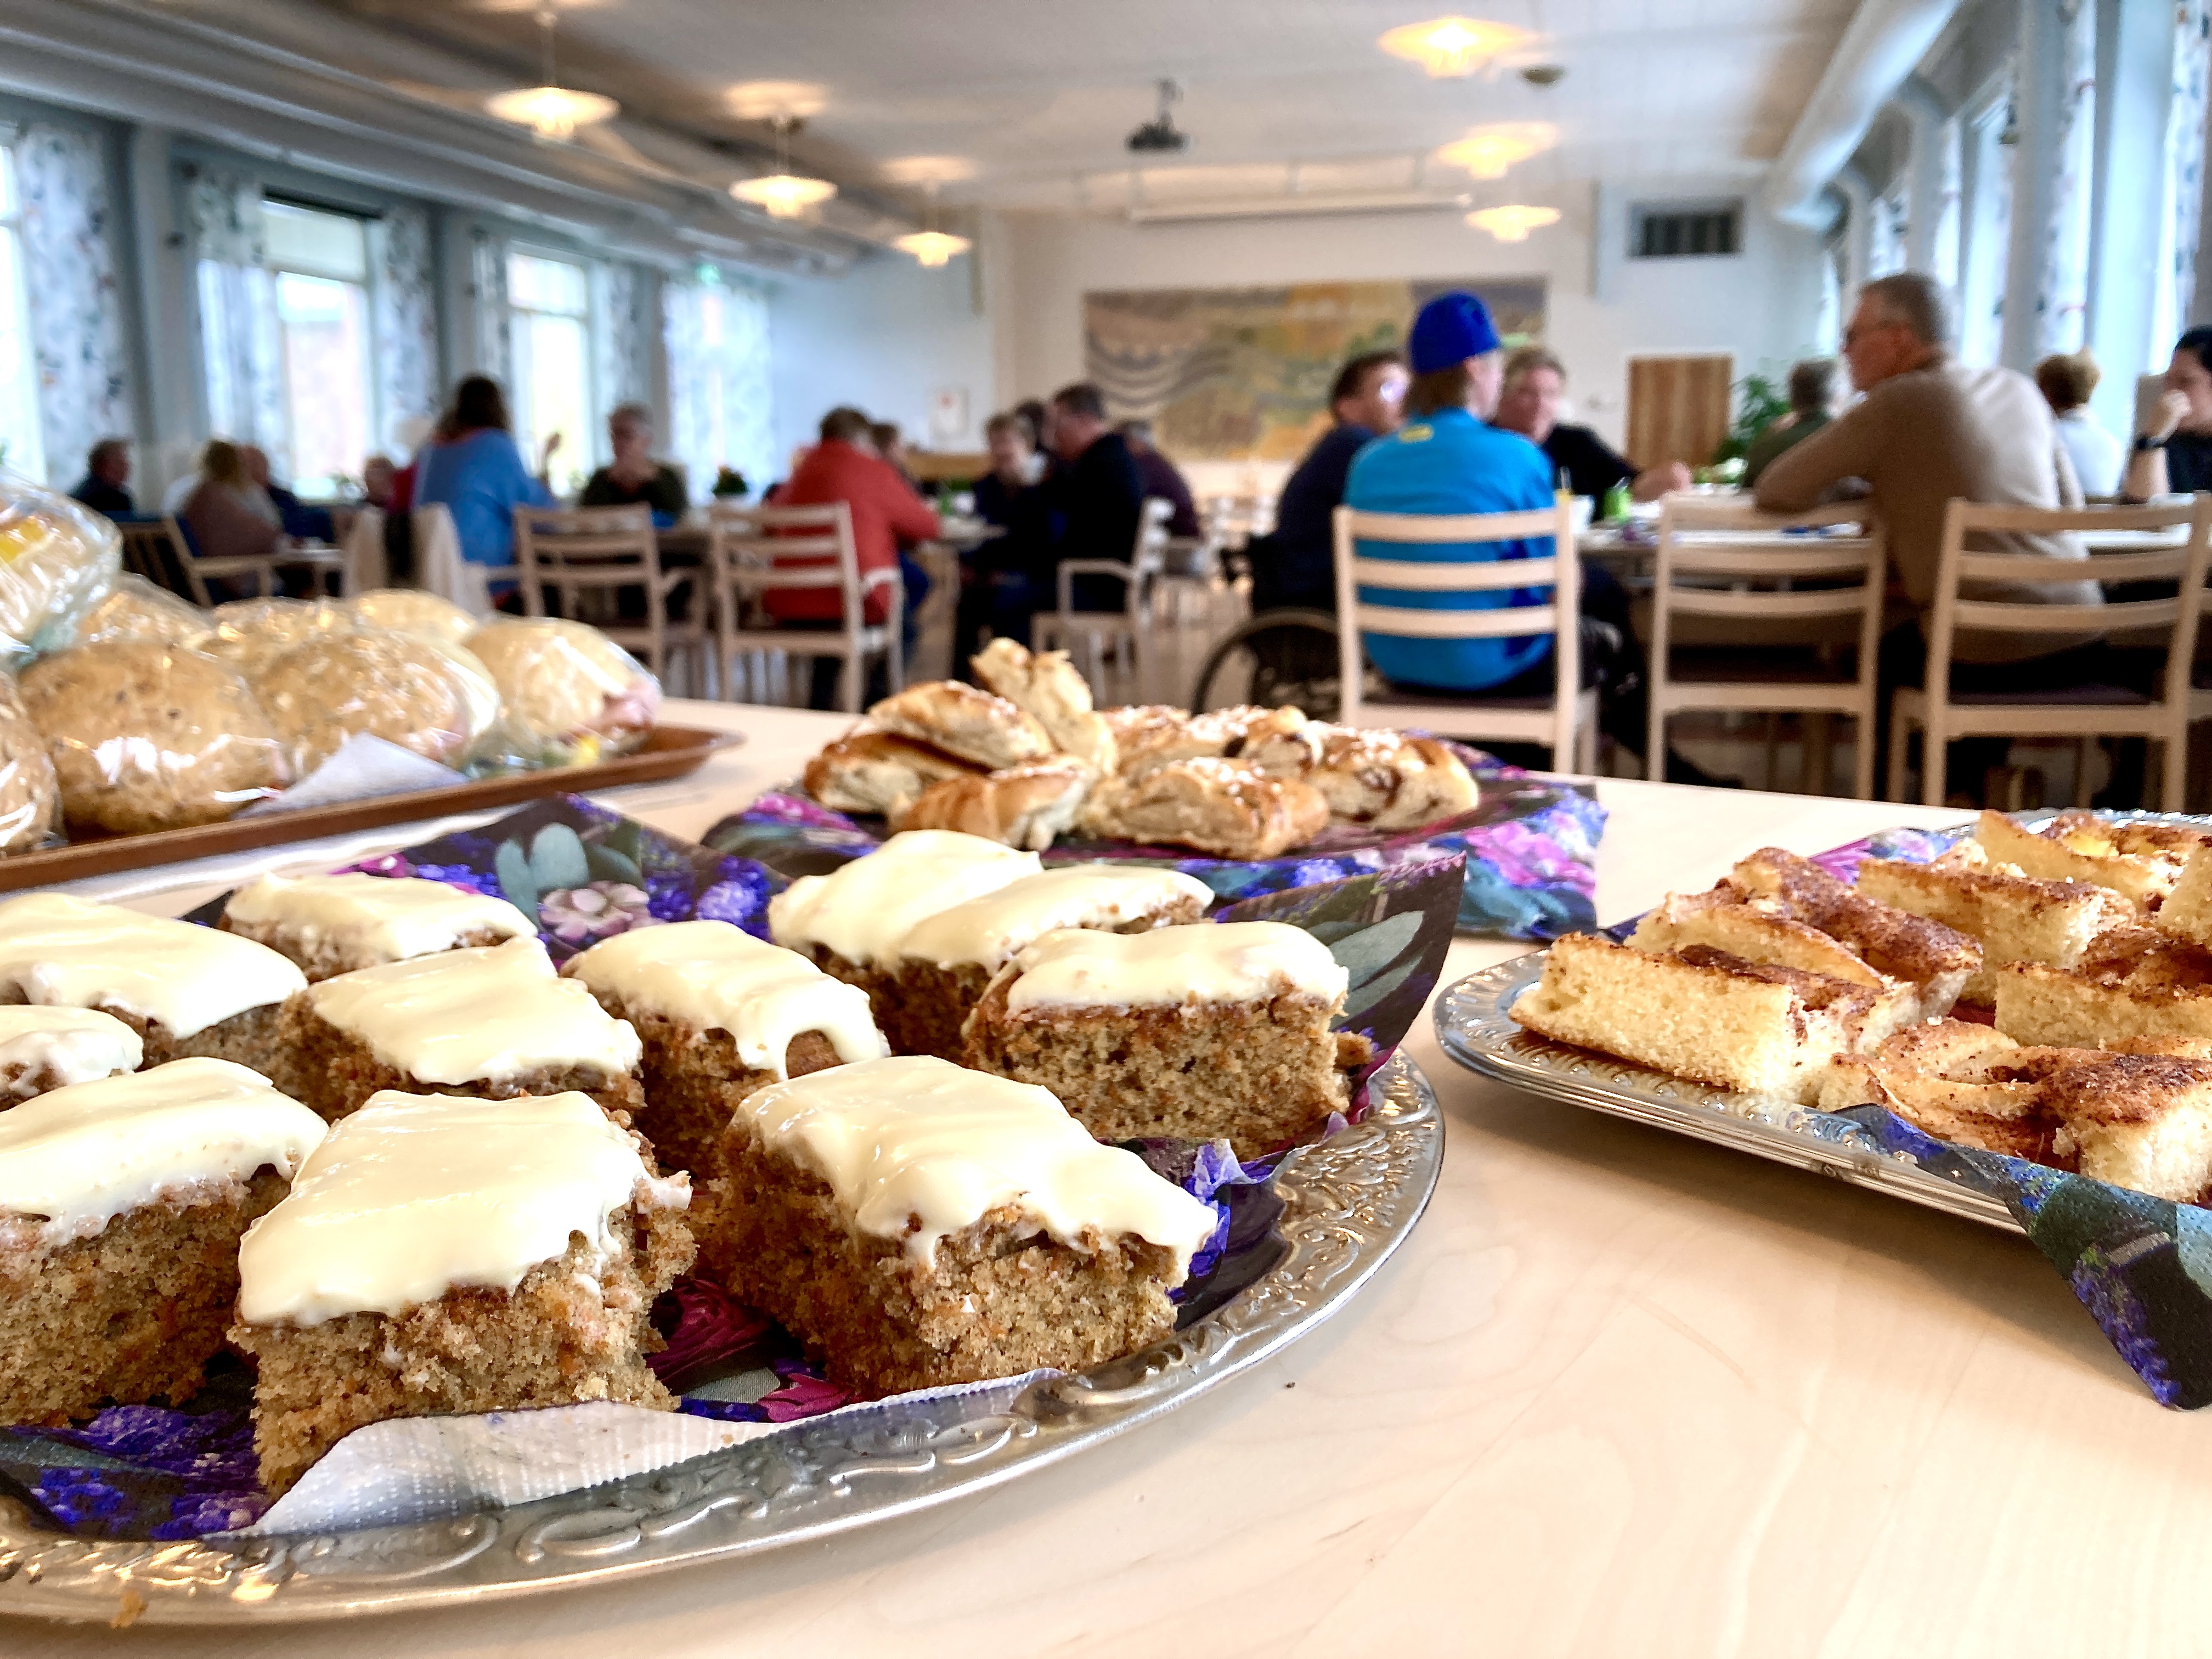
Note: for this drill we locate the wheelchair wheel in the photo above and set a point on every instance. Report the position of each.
(1275, 658)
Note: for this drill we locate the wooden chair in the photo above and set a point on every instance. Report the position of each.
(1565, 721)
(1739, 574)
(745, 545)
(589, 557)
(1100, 630)
(257, 569)
(2082, 713)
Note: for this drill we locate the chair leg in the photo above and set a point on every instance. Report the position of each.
(1862, 756)
(1655, 747)
(1900, 734)
(1935, 765)
(2173, 771)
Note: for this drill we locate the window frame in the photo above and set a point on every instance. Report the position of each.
(278, 270)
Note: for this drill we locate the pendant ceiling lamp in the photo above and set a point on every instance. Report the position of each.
(1512, 224)
(552, 111)
(1449, 47)
(1487, 152)
(930, 245)
(784, 194)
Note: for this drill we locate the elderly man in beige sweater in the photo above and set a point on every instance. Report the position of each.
(1927, 429)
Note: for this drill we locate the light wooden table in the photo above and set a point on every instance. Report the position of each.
(1620, 1393)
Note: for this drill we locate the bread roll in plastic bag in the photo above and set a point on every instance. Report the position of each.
(412, 612)
(57, 559)
(136, 609)
(569, 696)
(431, 699)
(252, 634)
(30, 797)
(147, 736)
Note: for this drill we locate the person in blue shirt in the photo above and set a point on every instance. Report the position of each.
(472, 467)
(1292, 565)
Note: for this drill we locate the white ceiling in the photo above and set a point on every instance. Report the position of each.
(1032, 97)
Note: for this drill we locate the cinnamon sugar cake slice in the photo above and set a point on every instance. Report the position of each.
(332, 925)
(2140, 861)
(2016, 918)
(439, 1255)
(917, 1224)
(1214, 1030)
(492, 1022)
(946, 962)
(2131, 983)
(122, 1201)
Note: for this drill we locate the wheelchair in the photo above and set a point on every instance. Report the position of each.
(1277, 657)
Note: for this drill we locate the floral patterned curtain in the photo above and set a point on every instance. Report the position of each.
(77, 330)
(625, 344)
(242, 356)
(2182, 205)
(2063, 291)
(717, 340)
(495, 348)
(406, 319)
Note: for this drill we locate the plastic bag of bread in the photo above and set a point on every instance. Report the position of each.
(30, 799)
(136, 609)
(58, 558)
(252, 634)
(146, 736)
(431, 699)
(569, 695)
(412, 612)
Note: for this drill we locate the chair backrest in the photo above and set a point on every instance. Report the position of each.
(752, 551)
(1152, 530)
(1554, 611)
(439, 567)
(1742, 564)
(2178, 556)
(187, 554)
(571, 549)
(365, 566)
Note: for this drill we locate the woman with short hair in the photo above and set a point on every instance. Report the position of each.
(634, 476)
(2066, 382)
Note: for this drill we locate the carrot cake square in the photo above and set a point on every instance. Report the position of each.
(1220, 1029)
(493, 1022)
(333, 925)
(916, 1224)
(946, 960)
(182, 988)
(45, 1048)
(122, 1201)
(446, 1255)
(720, 1014)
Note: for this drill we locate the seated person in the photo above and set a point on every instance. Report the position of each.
(1929, 429)
(473, 468)
(301, 521)
(1000, 581)
(104, 488)
(2066, 382)
(1535, 384)
(1097, 494)
(381, 489)
(1812, 403)
(380, 481)
(633, 475)
(1448, 460)
(2175, 454)
(1162, 478)
(1295, 565)
(227, 514)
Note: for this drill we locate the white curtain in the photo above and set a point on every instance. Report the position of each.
(717, 340)
(624, 342)
(242, 356)
(2183, 199)
(406, 326)
(494, 349)
(75, 303)
(2063, 288)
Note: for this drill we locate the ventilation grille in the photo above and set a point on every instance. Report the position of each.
(1685, 230)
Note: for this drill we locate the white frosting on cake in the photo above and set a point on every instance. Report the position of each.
(73, 1045)
(62, 952)
(388, 918)
(991, 929)
(84, 1155)
(1206, 961)
(718, 977)
(918, 1148)
(863, 910)
(479, 1015)
(415, 1195)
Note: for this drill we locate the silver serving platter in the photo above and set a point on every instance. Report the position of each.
(1475, 1029)
(1349, 1202)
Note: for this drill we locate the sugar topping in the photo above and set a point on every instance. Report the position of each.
(84, 1155)
(388, 918)
(479, 1015)
(991, 929)
(864, 909)
(71, 1045)
(415, 1195)
(917, 1148)
(1206, 961)
(717, 976)
(63, 951)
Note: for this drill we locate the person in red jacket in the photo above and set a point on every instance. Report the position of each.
(845, 467)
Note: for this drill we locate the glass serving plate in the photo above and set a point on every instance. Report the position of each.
(1349, 1201)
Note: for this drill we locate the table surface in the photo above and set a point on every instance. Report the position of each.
(1621, 1392)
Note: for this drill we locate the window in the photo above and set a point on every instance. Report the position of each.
(1987, 231)
(1886, 234)
(21, 448)
(550, 308)
(319, 272)
(1684, 230)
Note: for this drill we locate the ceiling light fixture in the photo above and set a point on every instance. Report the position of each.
(784, 194)
(1449, 47)
(1487, 152)
(1513, 223)
(552, 111)
(930, 245)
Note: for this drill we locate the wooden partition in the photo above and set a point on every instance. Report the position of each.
(1677, 408)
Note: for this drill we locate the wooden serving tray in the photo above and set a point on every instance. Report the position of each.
(669, 751)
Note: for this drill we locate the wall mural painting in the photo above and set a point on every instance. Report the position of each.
(1242, 374)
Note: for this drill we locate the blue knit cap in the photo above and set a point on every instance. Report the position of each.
(1451, 328)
